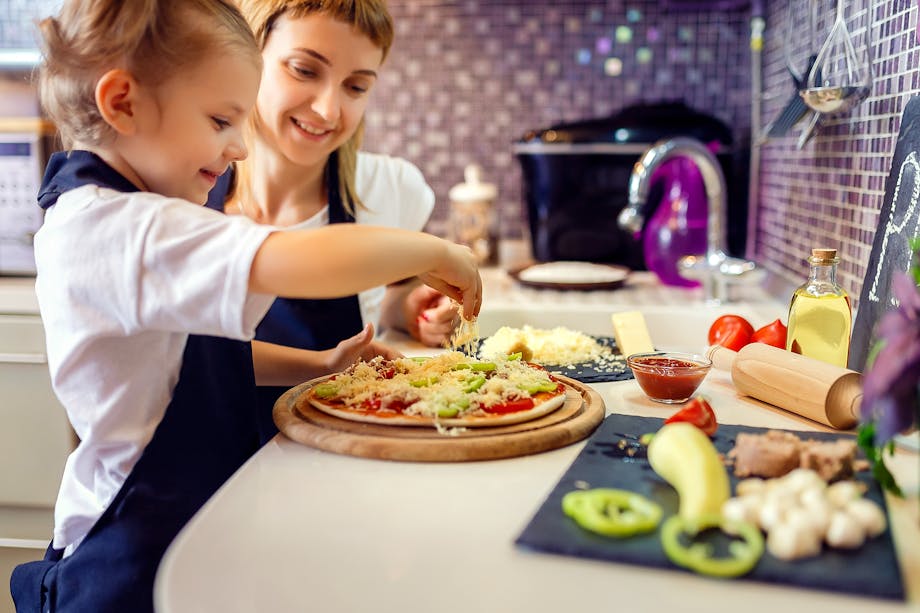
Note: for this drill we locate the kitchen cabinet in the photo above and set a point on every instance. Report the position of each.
(35, 436)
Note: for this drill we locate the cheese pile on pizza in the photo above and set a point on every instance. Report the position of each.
(450, 389)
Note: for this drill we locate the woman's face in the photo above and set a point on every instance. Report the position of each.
(315, 86)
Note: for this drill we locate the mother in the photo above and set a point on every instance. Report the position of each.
(321, 61)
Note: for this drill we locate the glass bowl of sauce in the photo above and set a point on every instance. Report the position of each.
(668, 376)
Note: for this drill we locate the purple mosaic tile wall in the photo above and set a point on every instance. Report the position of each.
(465, 79)
(830, 192)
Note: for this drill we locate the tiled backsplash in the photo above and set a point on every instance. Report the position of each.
(830, 192)
(466, 78)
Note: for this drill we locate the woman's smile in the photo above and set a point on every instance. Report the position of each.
(310, 129)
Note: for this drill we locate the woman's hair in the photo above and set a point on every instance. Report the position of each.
(369, 17)
(151, 39)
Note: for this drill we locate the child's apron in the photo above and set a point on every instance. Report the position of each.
(207, 433)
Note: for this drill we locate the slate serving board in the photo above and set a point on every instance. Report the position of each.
(589, 372)
(872, 570)
(899, 222)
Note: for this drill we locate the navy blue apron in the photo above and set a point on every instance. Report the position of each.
(207, 433)
(305, 323)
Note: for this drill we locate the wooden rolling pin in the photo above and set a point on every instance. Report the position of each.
(814, 389)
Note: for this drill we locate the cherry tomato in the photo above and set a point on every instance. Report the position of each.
(771, 334)
(731, 331)
(697, 412)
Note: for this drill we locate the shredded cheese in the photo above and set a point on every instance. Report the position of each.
(555, 347)
(465, 336)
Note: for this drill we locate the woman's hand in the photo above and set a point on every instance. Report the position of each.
(430, 316)
(362, 345)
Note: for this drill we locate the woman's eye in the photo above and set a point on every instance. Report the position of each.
(358, 88)
(220, 123)
(303, 71)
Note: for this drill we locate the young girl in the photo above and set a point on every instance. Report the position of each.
(148, 300)
(321, 63)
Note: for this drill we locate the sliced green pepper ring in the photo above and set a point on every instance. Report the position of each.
(698, 557)
(612, 512)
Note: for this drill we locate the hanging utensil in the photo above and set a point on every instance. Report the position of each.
(795, 108)
(839, 80)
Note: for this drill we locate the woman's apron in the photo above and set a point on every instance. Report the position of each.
(307, 323)
(206, 434)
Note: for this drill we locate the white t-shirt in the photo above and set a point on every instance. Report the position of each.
(395, 195)
(123, 279)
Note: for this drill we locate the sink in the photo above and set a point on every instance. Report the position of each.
(671, 327)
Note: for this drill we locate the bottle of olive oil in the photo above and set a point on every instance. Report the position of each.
(820, 317)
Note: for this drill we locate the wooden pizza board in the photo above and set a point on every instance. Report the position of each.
(577, 418)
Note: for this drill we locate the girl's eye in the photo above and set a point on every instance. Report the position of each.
(220, 123)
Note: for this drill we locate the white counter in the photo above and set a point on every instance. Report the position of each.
(298, 529)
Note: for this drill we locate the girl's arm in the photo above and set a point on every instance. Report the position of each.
(343, 259)
(289, 366)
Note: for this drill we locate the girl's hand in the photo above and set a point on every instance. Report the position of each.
(457, 277)
(361, 345)
(430, 316)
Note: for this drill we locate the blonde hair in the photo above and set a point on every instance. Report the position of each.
(151, 39)
(369, 17)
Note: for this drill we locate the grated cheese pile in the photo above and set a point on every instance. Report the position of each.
(556, 347)
(442, 385)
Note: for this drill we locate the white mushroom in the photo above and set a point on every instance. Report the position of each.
(742, 508)
(842, 492)
(844, 532)
(747, 487)
(801, 479)
(790, 540)
(773, 511)
(868, 514)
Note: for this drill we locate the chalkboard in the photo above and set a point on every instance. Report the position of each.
(898, 223)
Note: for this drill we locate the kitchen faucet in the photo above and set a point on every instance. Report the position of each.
(714, 269)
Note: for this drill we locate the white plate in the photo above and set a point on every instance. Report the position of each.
(572, 275)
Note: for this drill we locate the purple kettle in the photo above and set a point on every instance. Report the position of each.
(678, 225)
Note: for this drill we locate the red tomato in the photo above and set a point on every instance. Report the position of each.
(697, 412)
(731, 331)
(771, 334)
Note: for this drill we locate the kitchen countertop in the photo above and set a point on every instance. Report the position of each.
(301, 529)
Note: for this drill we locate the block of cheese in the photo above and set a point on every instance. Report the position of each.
(631, 333)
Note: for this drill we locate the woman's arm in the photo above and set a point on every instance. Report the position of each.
(343, 259)
(425, 314)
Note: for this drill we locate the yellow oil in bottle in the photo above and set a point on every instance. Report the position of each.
(820, 316)
(819, 326)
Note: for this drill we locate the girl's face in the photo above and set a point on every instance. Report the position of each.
(190, 128)
(318, 73)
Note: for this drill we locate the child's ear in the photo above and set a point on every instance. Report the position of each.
(117, 98)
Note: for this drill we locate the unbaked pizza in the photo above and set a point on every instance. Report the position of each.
(450, 389)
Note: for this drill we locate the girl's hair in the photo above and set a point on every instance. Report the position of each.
(369, 17)
(151, 39)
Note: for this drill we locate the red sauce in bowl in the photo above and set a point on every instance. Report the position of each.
(668, 379)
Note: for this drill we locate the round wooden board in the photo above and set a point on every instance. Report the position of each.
(581, 413)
